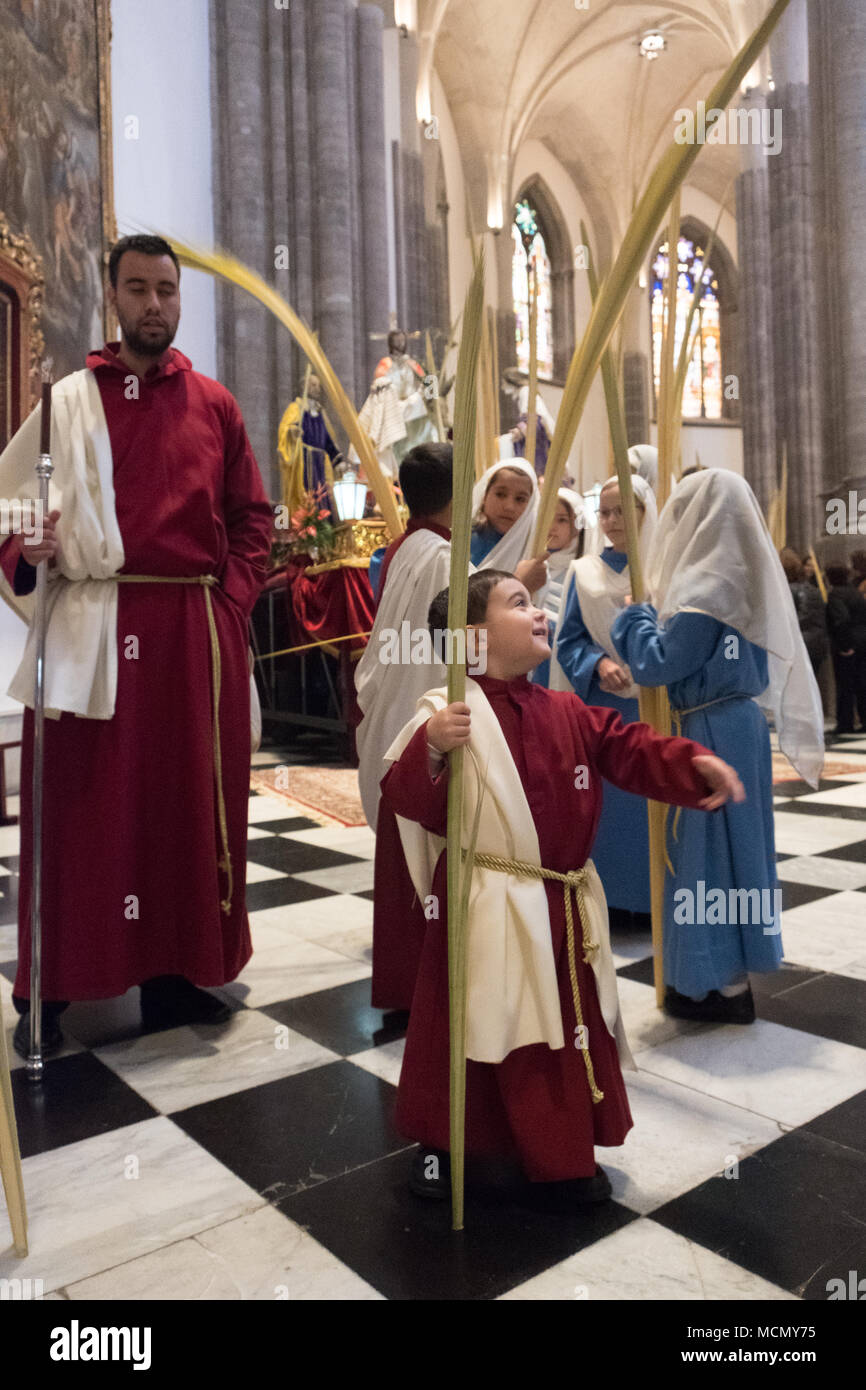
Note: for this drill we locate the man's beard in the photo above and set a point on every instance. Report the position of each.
(146, 346)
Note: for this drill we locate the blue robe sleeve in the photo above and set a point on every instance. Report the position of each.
(662, 656)
(481, 543)
(576, 652)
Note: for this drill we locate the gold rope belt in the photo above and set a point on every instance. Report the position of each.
(678, 715)
(574, 882)
(207, 582)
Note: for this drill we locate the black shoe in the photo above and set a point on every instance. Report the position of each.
(431, 1175)
(642, 921)
(716, 1008)
(619, 919)
(573, 1192)
(52, 1037)
(169, 1001)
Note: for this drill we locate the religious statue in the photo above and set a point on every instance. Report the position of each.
(515, 386)
(308, 453)
(395, 413)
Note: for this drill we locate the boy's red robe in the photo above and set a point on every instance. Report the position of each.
(536, 1104)
(129, 802)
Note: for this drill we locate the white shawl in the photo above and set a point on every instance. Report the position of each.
(512, 991)
(81, 642)
(388, 693)
(713, 554)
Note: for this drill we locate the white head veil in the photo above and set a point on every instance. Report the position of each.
(643, 492)
(645, 458)
(509, 549)
(558, 561)
(713, 554)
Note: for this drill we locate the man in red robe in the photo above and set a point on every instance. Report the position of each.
(535, 1106)
(145, 812)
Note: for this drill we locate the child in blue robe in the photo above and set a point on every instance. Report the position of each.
(722, 634)
(587, 662)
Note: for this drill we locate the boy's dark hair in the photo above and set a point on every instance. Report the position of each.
(481, 585)
(147, 245)
(426, 478)
(858, 563)
(838, 575)
(792, 565)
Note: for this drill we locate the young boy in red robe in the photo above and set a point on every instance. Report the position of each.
(543, 1083)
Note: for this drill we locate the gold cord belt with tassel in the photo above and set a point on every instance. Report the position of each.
(206, 582)
(573, 882)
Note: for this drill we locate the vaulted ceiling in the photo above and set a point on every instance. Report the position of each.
(517, 70)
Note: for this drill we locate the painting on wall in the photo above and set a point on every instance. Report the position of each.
(55, 160)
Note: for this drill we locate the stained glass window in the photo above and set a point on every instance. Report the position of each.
(524, 218)
(702, 396)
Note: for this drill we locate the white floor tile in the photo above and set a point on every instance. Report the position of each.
(838, 874)
(265, 808)
(853, 794)
(322, 916)
(778, 1072)
(646, 1025)
(815, 834)
(188, 1066)
(350, 839)
(259, 1257)
(384, 1061)
(649, 1169)
(261, 873)
(641, 1262)
(86, 1215)
(256, 832)
(828, 934)
(287, 972)
(9, 840)
(344, 878)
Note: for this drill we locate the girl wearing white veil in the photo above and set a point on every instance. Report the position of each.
(723, 637)
(504, 504)
(566, 541)
(585, 660)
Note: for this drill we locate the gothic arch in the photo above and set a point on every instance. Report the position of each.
(555, 232)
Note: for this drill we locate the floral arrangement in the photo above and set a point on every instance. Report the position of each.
(307, 531)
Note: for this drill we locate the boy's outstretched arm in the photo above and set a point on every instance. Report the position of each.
(676, 770)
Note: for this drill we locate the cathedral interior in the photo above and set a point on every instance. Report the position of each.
(356, 157)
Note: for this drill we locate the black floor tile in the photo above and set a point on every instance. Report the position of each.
(77, 1098)
(98, 1022)
(845, 1124)
(368, 893)
(280, 892)
(279, 827)
(795, 1205)
(855, 852)
(294, 856)
(780, 857)
(778, 981)
(640, 970)
(830, 1006)
(299, 1131)
(341, 1018)
(405, 1248)
(841, 1278)
(820, 808)
(797, 787)
(796, 894)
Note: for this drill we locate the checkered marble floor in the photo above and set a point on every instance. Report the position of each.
(259, 1160)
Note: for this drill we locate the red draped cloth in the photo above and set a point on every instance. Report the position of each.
(131, 877)
(536, 1104)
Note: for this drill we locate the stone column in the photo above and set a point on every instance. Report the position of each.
(333, 163)
(240, 105)
(756, 304)
(301, 191)
(837, 56)
(373, 200)
(796, 349)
